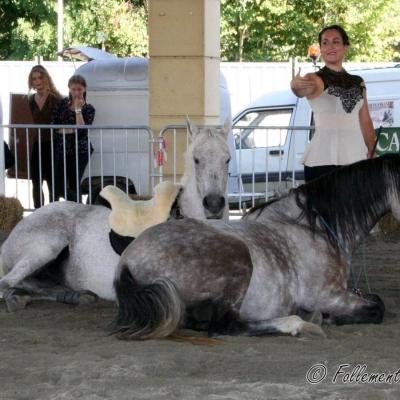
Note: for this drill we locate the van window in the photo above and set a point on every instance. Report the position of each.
(262, 137)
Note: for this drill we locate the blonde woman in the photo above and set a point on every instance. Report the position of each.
(42, 103)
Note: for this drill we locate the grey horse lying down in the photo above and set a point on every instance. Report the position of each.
(70, 242)
(249, 277)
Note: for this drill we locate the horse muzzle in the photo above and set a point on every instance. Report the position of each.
(214, 206)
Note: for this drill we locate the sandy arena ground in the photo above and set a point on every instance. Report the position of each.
(56, 351)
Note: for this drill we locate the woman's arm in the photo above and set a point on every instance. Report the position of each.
(367, 128)
(309, 86)
(77, 105)
(88, 113)
(79, 120)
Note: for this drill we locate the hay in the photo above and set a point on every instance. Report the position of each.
(11, 212)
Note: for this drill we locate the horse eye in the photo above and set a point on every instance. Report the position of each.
(196, 160)
(228, 160)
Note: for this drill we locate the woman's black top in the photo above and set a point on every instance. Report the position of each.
(349, 88)
(65, 116)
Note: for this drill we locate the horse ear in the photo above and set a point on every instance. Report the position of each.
(192, 129)
(226, 128)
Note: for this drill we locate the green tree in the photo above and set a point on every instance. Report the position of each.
(251, 30)
(114, 25)
(119, 26)
(27, 28)
(276, 30)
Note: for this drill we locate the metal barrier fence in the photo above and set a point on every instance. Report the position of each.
(266, 163)
(118, 155)
(267, 160)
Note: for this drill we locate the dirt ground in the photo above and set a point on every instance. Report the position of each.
(56, 351)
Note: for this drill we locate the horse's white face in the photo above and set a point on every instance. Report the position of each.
(207, 158)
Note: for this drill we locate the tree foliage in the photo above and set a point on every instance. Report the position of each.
(251, 30)
(119, 26)
(276, 30)
(25, 25)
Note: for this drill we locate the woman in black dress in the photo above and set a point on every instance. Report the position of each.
(74, 156)
(42, 105)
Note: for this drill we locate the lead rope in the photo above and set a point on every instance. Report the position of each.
(364, 267)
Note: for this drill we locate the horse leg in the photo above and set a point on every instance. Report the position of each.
(348, 308)
(21, 270)
(32, 289)
(315, 316)
(226, 321)
(15, 299)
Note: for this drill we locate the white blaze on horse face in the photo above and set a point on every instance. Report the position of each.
(211, 159)
(206, 170)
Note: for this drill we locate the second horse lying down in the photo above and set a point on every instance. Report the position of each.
(75, 237)
(249, 277)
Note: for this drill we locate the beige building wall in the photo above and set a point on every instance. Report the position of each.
(184, 66)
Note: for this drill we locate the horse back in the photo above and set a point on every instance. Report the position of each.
(202, 261)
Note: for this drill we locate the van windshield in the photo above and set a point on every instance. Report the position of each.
(259, 128)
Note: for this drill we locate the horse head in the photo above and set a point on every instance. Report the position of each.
(206, 169)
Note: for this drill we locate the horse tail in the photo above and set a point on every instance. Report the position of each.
(146, 311)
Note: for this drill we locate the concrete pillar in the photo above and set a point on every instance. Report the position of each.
(184, 70)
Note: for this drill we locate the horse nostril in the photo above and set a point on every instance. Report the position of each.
(214, 203)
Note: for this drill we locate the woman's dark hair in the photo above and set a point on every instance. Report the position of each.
(338, 28)
(78, 79)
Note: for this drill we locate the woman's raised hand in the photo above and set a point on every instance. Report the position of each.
(78, 102)
(303, 85)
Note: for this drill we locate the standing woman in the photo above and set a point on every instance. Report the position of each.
(42, 105)
(343, 127)
(73, 110)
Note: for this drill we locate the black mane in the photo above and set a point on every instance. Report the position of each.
(260, 207)
(353, 195)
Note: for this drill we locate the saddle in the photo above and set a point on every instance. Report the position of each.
(129, 218)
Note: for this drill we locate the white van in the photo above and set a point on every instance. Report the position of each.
(275, 153)
(118, 89)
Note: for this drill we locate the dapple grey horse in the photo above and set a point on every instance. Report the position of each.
(76, 236)
(251, 276)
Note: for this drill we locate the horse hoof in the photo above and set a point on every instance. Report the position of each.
(87, 297)
(16, 299)
(77, 298)
(315, 317)
(309, 329)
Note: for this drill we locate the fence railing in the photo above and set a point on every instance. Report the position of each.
(266, 160)
(269, 159)
(119, 155)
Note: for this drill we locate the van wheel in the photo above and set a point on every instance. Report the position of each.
(95, 198)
